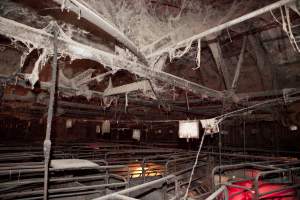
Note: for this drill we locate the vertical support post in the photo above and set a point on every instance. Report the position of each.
(128, 177)
(256, 191)
(220, 156)
(143, 171)
(166, 168)
(177, 188)
(164, 191)
(226, 194)
(106, 179)
(47, 141)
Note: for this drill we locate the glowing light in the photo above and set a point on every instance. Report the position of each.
(189, 129)
(293, 128)
(150, 170)
(136, 134)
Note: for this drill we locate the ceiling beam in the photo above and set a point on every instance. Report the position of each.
(263, 62)
(269, 93)
(213, 30)
(40, 39)
(85, 11)
(131, 87)
(83, 77)
(216, 50)
(44, 86)
(239, 65)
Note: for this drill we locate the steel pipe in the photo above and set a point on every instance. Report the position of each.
(222, 27)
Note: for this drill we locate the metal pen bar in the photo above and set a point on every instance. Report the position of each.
(17, 195)
(138, 187)
(218, 192)
(262, 174)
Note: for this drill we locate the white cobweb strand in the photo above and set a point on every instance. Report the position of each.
(9, 9)
(289, 31)
(287, 26)
(198, 58)
(34, 76)
(146, 23)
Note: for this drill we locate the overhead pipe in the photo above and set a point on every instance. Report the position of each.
(223, 26)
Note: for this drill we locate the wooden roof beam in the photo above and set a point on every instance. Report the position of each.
(40, 39)
(85, 11)
(171, 46)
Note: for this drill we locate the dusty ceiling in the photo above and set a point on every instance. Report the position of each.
(139, 45)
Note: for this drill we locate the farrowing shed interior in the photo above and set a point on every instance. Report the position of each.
(150, 99)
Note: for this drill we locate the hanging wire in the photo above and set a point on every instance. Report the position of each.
(220, 144)
(194, 166)
(244, 138)
(160, 101)
(187, 101)
(248, 109)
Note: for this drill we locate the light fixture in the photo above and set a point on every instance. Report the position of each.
(98, 129)
(69, 123)
(106, 127)
(188, 129)
(136, 134)
(210, 126)
(293, 128)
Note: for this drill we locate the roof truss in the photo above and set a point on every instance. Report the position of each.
(40, 39)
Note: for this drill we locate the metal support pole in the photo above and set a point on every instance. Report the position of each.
(177, 188)
(47, 141)
(143, 171)
(164, 192)
(106, 179)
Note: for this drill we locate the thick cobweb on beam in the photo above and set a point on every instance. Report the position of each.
(145, 21)
(152, 25)
(17, 12)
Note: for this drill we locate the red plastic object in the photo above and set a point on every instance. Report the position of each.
(241, 194)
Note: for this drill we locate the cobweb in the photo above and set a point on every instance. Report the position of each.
(145, 22)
